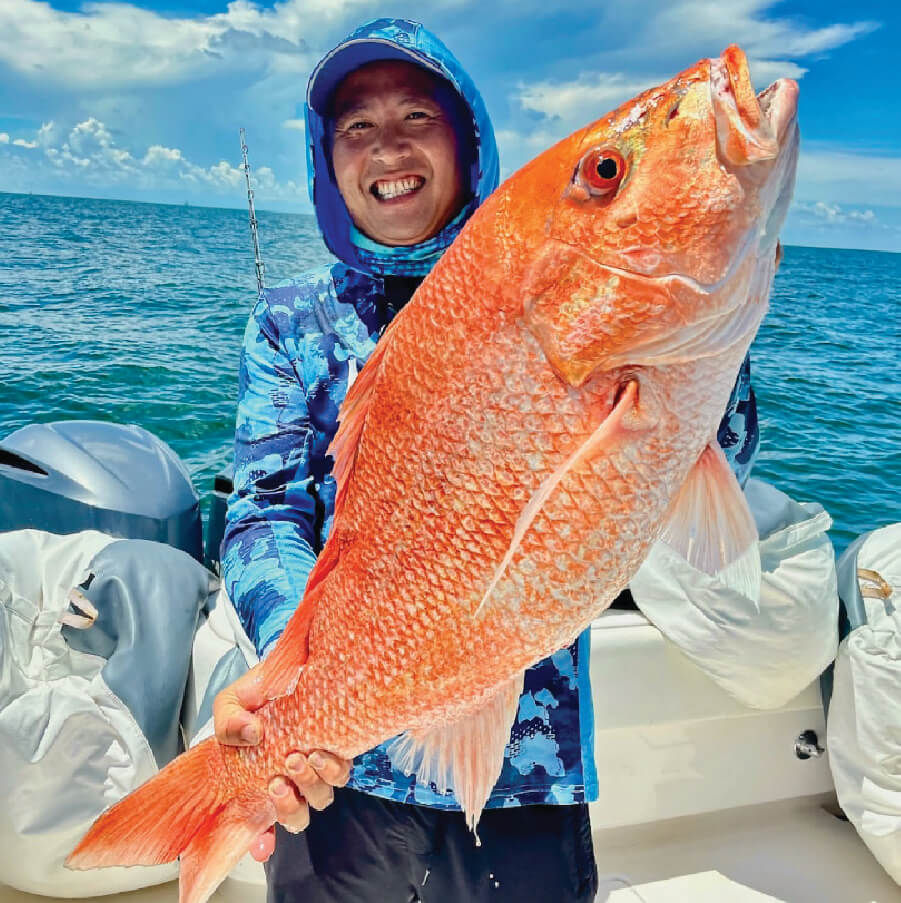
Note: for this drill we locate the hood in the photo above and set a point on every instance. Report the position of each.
(384, 39)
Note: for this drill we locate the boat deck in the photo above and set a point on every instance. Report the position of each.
(792, 852)
(795, 851)
(702, 800)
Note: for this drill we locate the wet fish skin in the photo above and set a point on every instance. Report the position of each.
(541, 411)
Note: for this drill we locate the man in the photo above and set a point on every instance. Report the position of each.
(400, 154)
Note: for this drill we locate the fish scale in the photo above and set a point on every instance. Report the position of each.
(542, 410)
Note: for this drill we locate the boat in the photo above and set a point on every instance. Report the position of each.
(701, 798)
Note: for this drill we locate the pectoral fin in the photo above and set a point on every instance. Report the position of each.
(711, 526)
(597, 443)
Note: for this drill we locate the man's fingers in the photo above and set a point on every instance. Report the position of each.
(234, 725)
(291, 809)
(245, 729)
(264, 846)
(332, 770)
(248, 688)
(316, 792)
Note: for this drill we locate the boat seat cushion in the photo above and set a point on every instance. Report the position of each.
(863, 734)
(762, 651)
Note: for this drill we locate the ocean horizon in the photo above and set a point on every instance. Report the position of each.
(306, 211)
(133, 312)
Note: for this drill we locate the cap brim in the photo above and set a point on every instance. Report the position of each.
(347, 58)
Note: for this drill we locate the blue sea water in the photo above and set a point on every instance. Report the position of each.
(134, 313)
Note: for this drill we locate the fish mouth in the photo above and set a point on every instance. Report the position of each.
(779, 106)
(396, 187)
(751, 127)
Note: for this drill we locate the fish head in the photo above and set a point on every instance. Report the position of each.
(664, 228)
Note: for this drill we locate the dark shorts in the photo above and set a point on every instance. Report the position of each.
(363, 849)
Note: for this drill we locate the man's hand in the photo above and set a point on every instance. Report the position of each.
(307, 781)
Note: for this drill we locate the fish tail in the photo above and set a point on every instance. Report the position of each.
(187, 810)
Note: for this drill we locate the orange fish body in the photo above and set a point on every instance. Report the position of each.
(542, 410)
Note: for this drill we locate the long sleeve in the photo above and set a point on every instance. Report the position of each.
(270, 533)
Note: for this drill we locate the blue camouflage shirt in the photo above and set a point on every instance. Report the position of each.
(305, 341)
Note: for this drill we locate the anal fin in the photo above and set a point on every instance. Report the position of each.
(466, 755)
(711, 526)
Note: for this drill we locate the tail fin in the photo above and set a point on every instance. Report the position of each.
(214, 851)
(184, 811)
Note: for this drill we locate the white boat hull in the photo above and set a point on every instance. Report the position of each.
(702, 800)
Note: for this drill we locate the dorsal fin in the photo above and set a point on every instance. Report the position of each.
(326, 561)
(352, 419)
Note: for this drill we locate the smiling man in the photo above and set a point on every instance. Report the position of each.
(395, 152)
(400, 154)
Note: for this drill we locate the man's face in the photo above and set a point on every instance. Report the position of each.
(395, 153)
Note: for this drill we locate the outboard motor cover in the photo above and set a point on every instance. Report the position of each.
(76, 475)
(111, 654)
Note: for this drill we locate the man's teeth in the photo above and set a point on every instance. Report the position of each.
(396, 187)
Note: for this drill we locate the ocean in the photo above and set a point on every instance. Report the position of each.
(134, 313)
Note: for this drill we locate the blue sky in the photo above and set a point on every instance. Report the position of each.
(143, 99)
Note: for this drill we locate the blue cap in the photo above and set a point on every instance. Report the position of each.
(407, 41)
(349, 56)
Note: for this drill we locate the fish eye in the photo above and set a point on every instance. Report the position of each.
(602, 171)
(607, 168)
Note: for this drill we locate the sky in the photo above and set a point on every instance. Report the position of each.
(143, 100)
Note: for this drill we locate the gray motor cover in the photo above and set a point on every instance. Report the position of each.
(149, 598)
(76, 475)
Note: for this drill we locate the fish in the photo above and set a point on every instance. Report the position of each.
(542, 410)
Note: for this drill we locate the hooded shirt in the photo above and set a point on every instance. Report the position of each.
(305, 342)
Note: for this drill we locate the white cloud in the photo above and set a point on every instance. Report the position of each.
(834, 215)
(709, 24)
(765, 72)
(516, 148)
(593, 94)
(46, 134)
(107, 44)
(654, 35)
(657, 38)
(842, 177)
(110, 44)
(134, 94)
(157, 155)
(590, 95)
(534, 140)
(4, 138)
(115, 44)
(90, 151)
(89, 137)
(223, 173)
